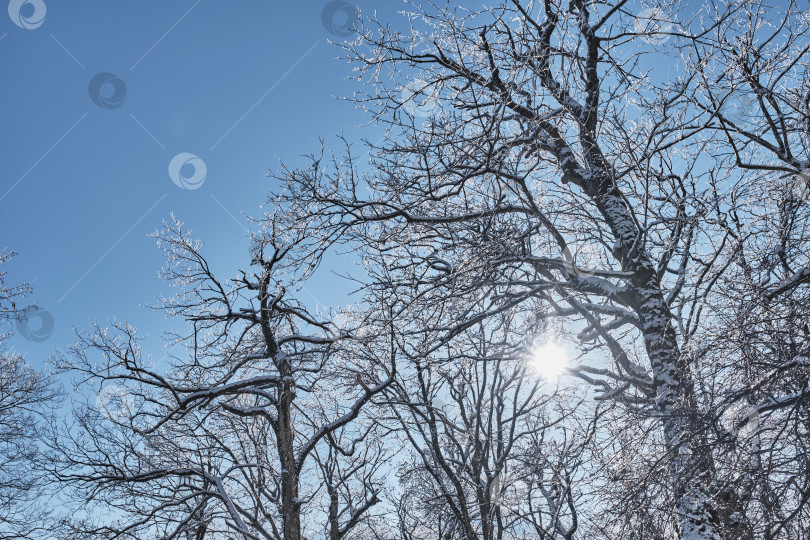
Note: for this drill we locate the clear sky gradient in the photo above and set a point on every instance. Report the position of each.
(99, 98)
(85, 171)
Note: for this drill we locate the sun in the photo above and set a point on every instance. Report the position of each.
(549, 360)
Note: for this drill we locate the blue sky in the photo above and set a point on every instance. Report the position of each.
(84, 179)
(99, 98)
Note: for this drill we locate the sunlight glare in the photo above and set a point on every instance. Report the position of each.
(549, 360)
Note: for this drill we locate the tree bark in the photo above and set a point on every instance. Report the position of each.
(285, 435)
(690, 464)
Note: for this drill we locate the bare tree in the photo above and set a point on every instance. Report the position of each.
(752, 93)
(535, 161)
(25, 395)
(631, 179)
(494, 454)
(254, 431)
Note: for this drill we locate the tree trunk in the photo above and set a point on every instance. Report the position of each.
(285, 436)
(690, 463)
